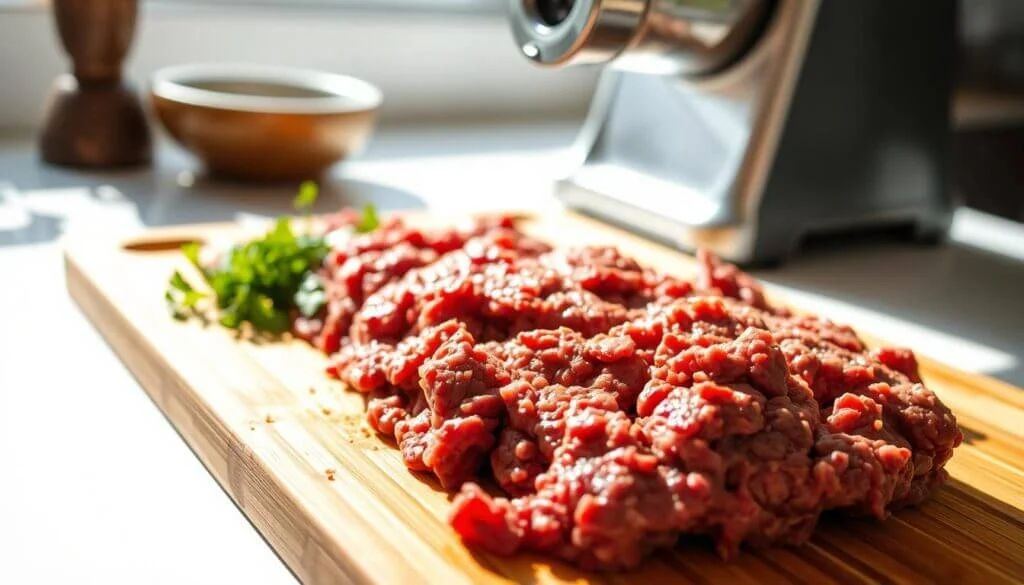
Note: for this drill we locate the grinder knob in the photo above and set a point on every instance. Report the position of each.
(654, 36)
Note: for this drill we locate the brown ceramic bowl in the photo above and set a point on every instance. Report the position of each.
(264, 123)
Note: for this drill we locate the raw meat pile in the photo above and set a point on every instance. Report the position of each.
(616, 407)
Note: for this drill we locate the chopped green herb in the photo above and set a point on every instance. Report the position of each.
(311, 296)
(308, 193)
(262, 282)
(181, 297)
(259, 279)
(370, 221)
(191, 251)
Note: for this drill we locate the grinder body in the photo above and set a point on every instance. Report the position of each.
(790, 118)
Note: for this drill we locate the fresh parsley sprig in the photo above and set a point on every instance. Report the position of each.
(262, 281)
(369, 221)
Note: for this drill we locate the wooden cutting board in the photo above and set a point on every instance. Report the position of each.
(337, 504)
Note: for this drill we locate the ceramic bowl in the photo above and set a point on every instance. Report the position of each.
(264, 123)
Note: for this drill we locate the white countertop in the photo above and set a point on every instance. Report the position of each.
(97, 487)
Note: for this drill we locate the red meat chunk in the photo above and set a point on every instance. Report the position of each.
(617, 408)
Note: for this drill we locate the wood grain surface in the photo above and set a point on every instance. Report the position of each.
(337, 504)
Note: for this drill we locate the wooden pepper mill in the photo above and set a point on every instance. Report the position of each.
(95, 119)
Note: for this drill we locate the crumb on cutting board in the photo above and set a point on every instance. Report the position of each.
(329, 472)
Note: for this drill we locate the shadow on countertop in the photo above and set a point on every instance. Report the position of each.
(37, 200)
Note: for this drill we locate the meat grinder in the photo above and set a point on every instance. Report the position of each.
(744, 126)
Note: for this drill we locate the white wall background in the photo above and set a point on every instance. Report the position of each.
(429, 65)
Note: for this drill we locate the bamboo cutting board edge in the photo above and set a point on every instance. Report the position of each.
(249, 465)
(233, 465)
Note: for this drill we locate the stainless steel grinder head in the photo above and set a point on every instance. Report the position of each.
(746, 126)
(648, 36)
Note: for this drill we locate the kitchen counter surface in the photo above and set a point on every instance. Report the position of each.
(98, 488)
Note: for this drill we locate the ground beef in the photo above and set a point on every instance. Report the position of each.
(723, 411)
(872, 462)
(617, 408)
(729, 281)
(457, 430)
(604, 502)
